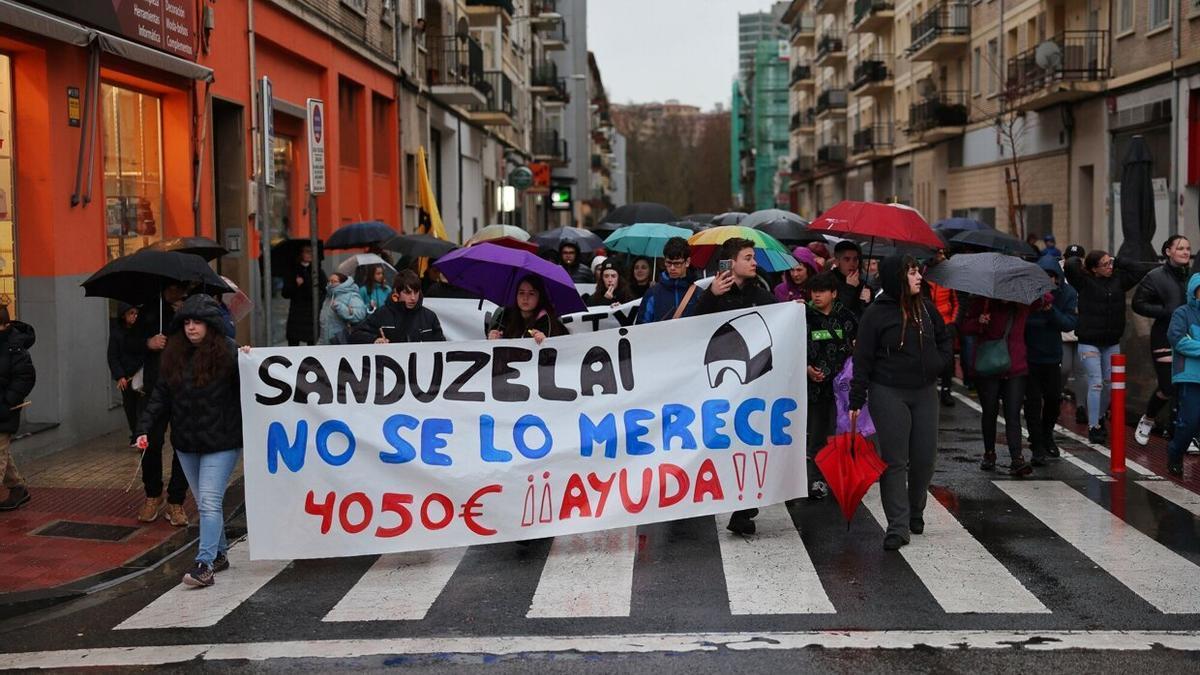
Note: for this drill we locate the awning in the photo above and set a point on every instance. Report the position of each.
(55, 28)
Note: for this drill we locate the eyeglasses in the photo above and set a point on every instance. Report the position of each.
(1106, 263)
(676, 263)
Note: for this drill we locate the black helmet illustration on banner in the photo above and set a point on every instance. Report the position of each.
(741, 346)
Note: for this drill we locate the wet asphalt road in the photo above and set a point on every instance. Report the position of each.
(679, 587)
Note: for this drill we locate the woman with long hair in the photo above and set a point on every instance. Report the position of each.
(1160, 293)
(901, 349)
(611, 288)
(198, 392)
(641, 276)
(373, 288)
(530, 315)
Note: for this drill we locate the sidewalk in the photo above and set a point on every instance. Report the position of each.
(80, 528)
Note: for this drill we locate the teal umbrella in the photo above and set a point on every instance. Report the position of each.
(644, 239)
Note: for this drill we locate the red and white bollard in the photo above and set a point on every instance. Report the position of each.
(1117, 436)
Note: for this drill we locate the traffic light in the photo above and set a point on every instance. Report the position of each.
(560, 199)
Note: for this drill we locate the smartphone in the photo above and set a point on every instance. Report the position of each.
(725, 266)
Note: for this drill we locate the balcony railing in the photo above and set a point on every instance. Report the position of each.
(944, 110)
(548, 143)
(545, 76)
(872, 139)
(865, 8)
(1072, 56)
(506, 5)
(831, 99)
(948, 18)
(875, 68)
(802, 165)
(830, 44)
(498, 89)
(831, 153)
(455, 61)
(540, 7)
(804, 25)
(801, 72)
(555, 35)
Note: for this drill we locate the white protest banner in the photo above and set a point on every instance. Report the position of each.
(602, 318)
(364, 449)
(462, 319)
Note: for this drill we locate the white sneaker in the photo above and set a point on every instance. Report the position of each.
(1142, 434)
(1194, 448)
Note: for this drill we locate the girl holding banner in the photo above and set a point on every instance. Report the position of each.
(531, 315)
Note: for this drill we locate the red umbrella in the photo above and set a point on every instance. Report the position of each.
(866, 220)
(850, 467)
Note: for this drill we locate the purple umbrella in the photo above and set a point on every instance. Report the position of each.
(493, 272)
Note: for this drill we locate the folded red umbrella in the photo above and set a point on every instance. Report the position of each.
(896, 222)
(850, 467)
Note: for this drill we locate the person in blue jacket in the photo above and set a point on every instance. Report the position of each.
(663, 298)
(1184, 336)
(1057, 314)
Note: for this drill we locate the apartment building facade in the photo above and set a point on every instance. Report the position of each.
(1012, 112)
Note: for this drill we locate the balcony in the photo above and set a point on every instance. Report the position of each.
(802, 166)
(873, 16)
(498, 108)
(831, 102)
(544, 14)
(872, 76)
(804, 29)
(485, 12)
(832, 154)
(802, 76)
(545, 82)
(549, 147)
(554, 39)
(872, 142)
(828, 6)
(802, 122)
(943, 32)
(939, 117)
(830, 48)
(455, 70)
(1070, 66)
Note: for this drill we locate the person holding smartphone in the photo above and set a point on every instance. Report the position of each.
(735, 287)
(403, 318)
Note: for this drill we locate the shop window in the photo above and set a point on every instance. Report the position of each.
(349, 95)
(381, 145)
(8, 244)
(133, 184)
(283, 154)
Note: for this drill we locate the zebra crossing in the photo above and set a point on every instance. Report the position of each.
(771, 574)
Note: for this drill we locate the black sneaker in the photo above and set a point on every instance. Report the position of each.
(916, 525)
(1175, 468)
(1052, 450)
(1096, 435)
(893, 542)
(1020, 468)
(199, 576)
(220, 563)
(989, 462)
(947, 398)
(818, 490)
(741, 523)
(16, 498)
(1039, 459)
(1081, 415)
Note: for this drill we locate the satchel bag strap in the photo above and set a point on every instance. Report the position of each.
(684, 303)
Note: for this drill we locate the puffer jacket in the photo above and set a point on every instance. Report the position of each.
(1101, 301)
(1184, 337)
(663, 298)
(17, 374)
(204, 418)
(1044, 328)
(1157, 297)
(343, 309)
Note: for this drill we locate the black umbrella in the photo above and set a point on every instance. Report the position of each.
(360, 235)
(285, 253)
(992, 275)
(995, 240)
(785, 226)
(730, 218)
(705, 218)
(202, 246)
(1137, 202)
(640, 212)
(585, 240)
(419, 246)
(693, 225)
(880, 250)
(140, 276)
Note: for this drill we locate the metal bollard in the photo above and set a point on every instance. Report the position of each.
(1117, 434)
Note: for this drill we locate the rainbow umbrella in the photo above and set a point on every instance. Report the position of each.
(771, 255)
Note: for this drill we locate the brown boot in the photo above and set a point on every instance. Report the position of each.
(150, 509)
(176, 515)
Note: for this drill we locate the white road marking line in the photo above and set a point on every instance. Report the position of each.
(1066, 456)
(1156, 573)
(401, 586)
(946, 640)
(184, 607)
(771, 571)
(1174, 493)
(956, 569)
(588, 574)
(1129, 463)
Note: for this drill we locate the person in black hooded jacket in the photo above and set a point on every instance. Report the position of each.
(199, 390)
(124, 363)
(403, 318)
(17, 377)
(902, 347)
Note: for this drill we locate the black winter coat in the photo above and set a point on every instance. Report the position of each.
(300, 310)
(1157, 296)
(749, 294)
(884, 357)
(17, 375)
(147, 326)
(399, 324)
(1101, 301)
(203, 419)
(124, 359)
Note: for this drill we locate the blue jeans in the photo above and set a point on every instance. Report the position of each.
(1097, 363)
(1187, 420)
(208, 475)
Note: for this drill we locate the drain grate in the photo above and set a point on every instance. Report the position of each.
(90, 531)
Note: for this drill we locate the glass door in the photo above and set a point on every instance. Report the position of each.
(8, 230)
(133, 186)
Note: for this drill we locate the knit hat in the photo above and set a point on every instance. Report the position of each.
(202, 307)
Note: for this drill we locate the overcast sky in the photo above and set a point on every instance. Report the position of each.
(653, 50)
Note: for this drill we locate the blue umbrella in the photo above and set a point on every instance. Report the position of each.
(360, 235)
(960, 224)
(644, 239)
(493, 272)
